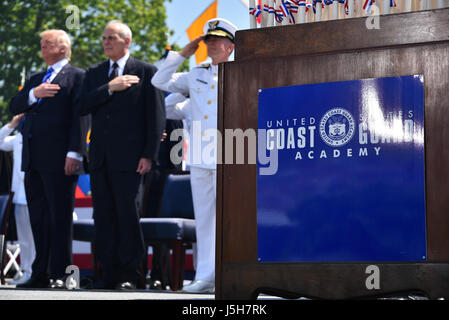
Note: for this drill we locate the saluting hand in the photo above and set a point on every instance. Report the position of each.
(46, 90)
(123, 82)
(191, 48)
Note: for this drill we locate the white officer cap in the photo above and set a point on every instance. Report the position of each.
(220, 28)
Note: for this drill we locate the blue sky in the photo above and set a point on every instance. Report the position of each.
(181, 13)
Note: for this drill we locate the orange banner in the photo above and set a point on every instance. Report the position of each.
(196, 29)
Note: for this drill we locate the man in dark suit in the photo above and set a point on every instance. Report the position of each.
(51, 157)
(128, 118)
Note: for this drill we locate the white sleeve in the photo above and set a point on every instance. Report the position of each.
(174, 103)
(74, 155)
(6, 141)
(31, 97)
(167, 79)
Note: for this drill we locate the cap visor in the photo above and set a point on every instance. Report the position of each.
(220, 33)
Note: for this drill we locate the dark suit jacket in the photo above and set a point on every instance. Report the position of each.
(51, 128)
(6, 162)
(164, 160)
(126, 125)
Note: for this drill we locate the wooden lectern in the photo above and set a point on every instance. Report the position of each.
(340, 50)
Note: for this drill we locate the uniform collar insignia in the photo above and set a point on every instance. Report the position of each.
(213, 24)
(205, 66)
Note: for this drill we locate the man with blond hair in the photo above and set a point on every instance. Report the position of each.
(51, 157)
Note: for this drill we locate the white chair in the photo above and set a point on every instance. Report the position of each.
(12, 251)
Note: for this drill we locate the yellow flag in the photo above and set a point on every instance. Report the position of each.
(196, 29)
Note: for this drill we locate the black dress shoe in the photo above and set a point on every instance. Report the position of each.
(124, 286)
(158, 285)
(35, 283)
(57, 284)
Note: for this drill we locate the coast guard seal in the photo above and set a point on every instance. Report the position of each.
(337, 127)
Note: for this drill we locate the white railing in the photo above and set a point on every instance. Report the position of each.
(283, 12)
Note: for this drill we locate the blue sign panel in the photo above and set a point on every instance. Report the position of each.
(349, 180)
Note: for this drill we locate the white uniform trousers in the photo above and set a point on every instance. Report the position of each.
(204, 190)
(25, 237)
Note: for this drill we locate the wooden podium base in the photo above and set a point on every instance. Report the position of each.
(334, 280)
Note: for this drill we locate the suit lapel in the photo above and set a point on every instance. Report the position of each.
(60, 79)
(129, 66)
(61, 74)
(104, 72)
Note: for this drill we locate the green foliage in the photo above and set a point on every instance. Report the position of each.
(21, 22)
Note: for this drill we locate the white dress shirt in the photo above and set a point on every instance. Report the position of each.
(121, 64)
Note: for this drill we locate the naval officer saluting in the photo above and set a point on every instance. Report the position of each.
(201, 85)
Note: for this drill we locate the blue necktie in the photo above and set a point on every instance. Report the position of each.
(46, 77)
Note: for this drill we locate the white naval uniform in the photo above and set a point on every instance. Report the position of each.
(201, 85)
(24, 233)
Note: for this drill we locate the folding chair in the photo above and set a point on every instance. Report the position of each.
(5, 211)
(176, 225)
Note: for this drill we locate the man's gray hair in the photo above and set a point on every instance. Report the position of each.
(124, 30)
